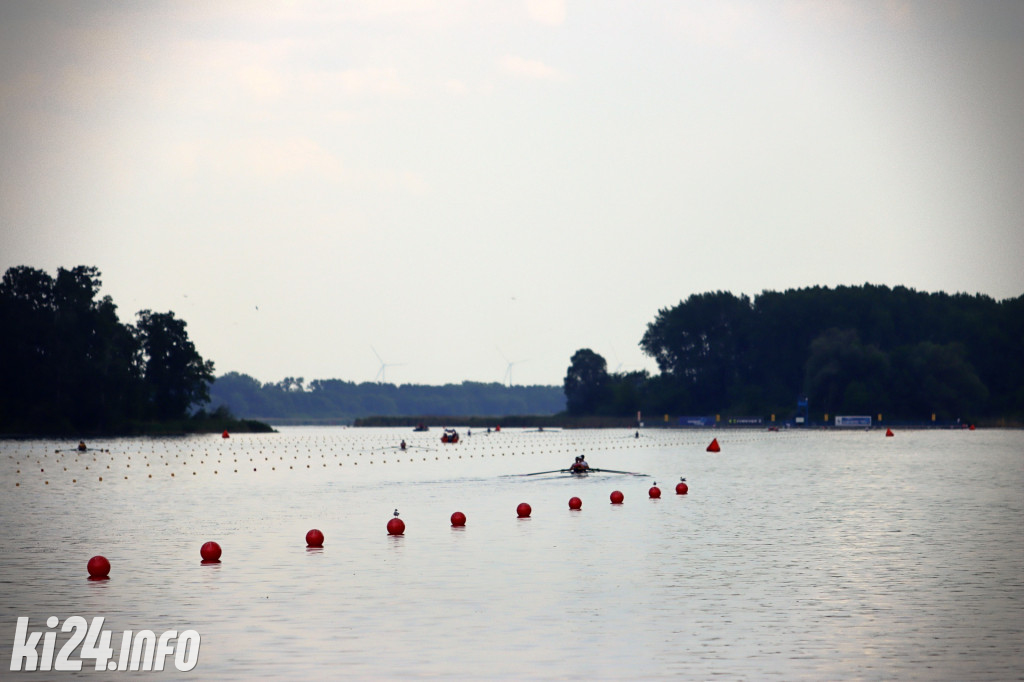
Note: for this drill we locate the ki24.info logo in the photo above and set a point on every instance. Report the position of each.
(141, 650)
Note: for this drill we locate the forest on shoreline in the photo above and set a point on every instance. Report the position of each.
(896, 353)
(71, 367)
(869, 350)
(292, 400)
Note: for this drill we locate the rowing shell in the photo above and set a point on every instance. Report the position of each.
(584, 472)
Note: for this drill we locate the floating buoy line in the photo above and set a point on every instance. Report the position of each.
(170, 458)
(35, 462)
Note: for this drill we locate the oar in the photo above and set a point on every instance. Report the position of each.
(538, 473)
(613, 471)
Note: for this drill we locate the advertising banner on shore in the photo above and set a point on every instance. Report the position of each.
(847, 420)
(695, 421)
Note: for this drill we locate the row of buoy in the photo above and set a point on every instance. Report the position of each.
(576, 441)
(713, 447)
(98, 566)
(663, 438)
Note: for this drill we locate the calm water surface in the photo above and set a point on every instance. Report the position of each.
(795, 555)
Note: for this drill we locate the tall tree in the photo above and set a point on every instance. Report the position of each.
(586, 382)
(175, 376)
(845, 375)
(68, 365)
(92, 353)
(937, 379)
(627, 393)
(26, 317)
(704, 343)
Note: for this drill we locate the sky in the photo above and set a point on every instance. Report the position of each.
(436, 191)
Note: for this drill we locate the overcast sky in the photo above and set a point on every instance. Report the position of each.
(466, 187)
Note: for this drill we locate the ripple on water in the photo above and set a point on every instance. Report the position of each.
(810, 555)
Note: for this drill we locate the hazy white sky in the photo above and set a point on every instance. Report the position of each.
(461, 185)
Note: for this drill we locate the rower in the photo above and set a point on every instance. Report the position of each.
(403, 444)
(81, 446)
(580, 464)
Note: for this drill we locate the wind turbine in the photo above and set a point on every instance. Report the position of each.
(508, 368)
(618, 366)
(618, 362)
(382, 372)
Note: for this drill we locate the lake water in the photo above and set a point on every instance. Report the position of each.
(806, 555)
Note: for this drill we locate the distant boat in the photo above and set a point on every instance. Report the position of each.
(421, 427)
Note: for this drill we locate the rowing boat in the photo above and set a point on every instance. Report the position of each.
(584, 472)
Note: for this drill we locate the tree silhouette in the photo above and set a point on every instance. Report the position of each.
(586, 382)
(176, 376)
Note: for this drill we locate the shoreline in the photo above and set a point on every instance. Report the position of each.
(182, 427)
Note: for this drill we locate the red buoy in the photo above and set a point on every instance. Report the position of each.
(458, 519)
(654, 492)
(575, 503)
(314, 538)
(210, 551)
(524, 510)
(682, 488)
(396, 526)
(225, 434)
(99, 568)
(888, 433)
(617, 497)
(714, 447)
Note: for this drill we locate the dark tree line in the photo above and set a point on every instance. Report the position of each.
(334, 399)
(68, 365)
(849, 350)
